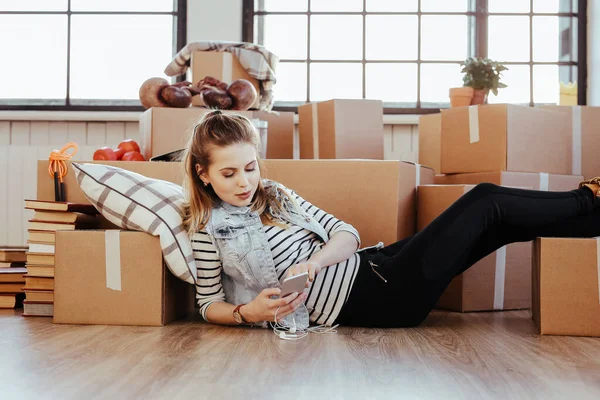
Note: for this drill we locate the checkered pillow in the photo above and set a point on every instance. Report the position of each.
(135, 202)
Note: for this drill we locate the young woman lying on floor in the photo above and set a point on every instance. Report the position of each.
(249, 234)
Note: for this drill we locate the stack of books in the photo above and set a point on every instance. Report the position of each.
(49, 217)
(12, 276)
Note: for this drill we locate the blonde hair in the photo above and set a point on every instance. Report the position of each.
(216, 129)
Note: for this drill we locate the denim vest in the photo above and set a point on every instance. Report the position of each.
(248, 266)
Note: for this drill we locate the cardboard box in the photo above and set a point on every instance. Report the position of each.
(585, 140)
(566, 286)
(163, 130)
(538, 181)
(504, 137)
(341, 129)
(224, 66)
(430, 131)
(377, 197)
(116, 278)
(499, 281)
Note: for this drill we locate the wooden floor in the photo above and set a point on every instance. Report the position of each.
(452, 356)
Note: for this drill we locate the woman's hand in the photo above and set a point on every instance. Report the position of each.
(263, 308)
(313, 268)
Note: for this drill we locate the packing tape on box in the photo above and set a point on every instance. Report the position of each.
(500, 278)
(544, 179)
(315, 131)
(576, 122)
(598, 264)
(112, 248)
(417, 175)
(473, 124)
(227, 71)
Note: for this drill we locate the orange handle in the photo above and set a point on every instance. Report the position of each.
(58, 157)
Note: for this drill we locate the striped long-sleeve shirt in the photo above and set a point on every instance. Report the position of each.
(331, 287)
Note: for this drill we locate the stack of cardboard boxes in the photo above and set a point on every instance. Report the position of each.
(535, 148)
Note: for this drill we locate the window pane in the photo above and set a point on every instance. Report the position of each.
(335, 81)
(120, 5)
(392, 82)
(447, 44)
(281, 5)
(286, 35)
(291, 82)
(401, 30)
(508, 38)
(33, 5)
(565, 36)
(113, 63)
(508, 6)
(36, 53)
(336, 37)
(546, 38)
(392, 5)
(517, 79)
(545, 84)
(552, 6)
(336, 5)
(436, 81)
(444, 5)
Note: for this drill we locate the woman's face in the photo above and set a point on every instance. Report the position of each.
(234, 173)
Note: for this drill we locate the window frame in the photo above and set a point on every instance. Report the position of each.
(478, 10)
(179, 41)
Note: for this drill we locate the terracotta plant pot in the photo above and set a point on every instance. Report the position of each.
(461, 96)
(480, 96)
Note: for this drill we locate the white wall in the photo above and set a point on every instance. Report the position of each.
(214, 20)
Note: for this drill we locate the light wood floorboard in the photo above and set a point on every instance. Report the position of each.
(452, 356)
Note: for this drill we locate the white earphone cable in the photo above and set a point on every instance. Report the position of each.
(287, 332)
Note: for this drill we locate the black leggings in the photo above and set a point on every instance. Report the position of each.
(418, 269)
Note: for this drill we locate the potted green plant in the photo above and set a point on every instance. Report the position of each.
(482, 75)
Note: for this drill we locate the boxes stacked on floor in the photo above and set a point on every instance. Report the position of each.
(12, 276)
(507, 145)
(341, 128)
(49, 218)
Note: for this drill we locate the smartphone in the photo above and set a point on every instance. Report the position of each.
(296, 283)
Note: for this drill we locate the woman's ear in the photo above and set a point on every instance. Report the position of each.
(201, 174)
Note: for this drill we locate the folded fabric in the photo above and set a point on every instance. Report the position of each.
(135, 202)
(255, 59)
